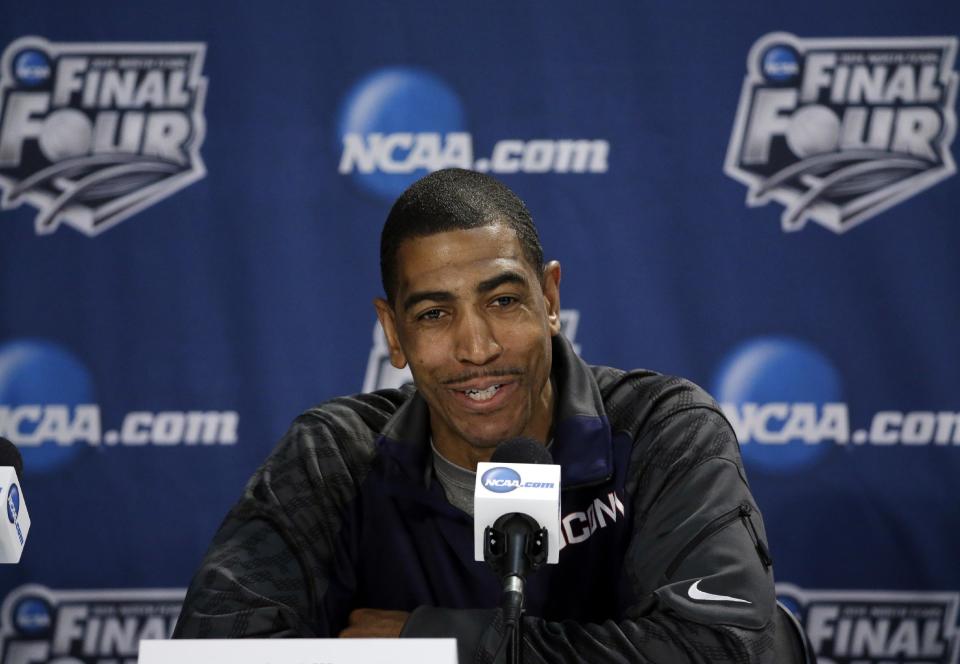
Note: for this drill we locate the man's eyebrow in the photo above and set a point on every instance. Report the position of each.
(415, 298)
(508, 277)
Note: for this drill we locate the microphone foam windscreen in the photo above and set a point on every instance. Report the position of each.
(10, 456)
(521, 450)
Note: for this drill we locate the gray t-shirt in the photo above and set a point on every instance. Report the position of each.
(458, 483)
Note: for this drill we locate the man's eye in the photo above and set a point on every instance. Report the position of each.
(504, 300)
(432, 314)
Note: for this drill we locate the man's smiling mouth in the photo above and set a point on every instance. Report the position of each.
(483, 395)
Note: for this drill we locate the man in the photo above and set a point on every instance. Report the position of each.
(359, 523)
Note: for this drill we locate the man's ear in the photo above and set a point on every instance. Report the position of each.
(389, 325)
(551, 295)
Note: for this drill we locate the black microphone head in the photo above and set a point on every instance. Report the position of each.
(521, 450)
(10, 456)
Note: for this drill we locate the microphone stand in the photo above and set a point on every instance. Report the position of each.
(514, 546)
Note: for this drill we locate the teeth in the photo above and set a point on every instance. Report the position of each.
(482, 395)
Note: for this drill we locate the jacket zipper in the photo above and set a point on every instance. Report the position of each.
(742, 512)
(720, 522)
(762, 549)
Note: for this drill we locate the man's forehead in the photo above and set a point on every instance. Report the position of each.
(460, 254)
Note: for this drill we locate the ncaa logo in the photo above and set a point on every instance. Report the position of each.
(839, 130)
(877, 626)
(500, 479)
(31, 68)
(40, 384)
(13, 503)
(400, 123)
(39, 624)
(781, 64)
(91, 134)
(783, 398)
(32, 615)
(393, 109)
(47, 408)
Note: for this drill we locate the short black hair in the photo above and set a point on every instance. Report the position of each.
(454, 199)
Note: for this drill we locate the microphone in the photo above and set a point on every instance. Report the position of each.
(16, 524)
(516, 516)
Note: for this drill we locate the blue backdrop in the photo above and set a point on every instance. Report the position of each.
(759, 197)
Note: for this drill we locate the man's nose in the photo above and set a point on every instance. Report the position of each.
(476, 342)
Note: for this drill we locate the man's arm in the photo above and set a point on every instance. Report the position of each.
(278, 566)
(697, 576)
(375, 624)
(250, 585)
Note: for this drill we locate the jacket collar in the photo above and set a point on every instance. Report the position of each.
(581, 431)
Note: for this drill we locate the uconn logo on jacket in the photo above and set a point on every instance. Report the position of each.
(580, 525)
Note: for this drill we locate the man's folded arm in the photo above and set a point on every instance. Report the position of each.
(716, 604)
(684, 620)
(267, 571)
(697, 574)
(249, 586)
(697, 583)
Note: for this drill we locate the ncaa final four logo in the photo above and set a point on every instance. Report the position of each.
(40, 625)
(93, 133)
(877, 626)
(838, 130)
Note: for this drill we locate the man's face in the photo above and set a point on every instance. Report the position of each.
(474, 323)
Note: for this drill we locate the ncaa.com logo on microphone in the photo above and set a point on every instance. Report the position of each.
(13, 503)
(13, 513)
(502, 480)
(49, 409)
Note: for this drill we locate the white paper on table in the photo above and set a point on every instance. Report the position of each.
(298, 651)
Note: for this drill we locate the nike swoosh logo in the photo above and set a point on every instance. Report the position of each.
(695, 593)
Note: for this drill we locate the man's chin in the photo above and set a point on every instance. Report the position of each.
(489, 441)
(485, 443)
(485, 433)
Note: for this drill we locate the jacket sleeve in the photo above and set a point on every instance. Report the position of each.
(269, 570)
(697, 572)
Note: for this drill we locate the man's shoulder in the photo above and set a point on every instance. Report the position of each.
(365, 412)
(674, 424)
(347, 425)
(641, 398)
